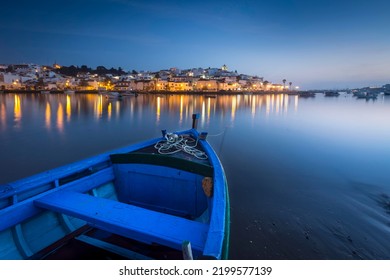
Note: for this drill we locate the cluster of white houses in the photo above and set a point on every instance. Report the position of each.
(36, 77)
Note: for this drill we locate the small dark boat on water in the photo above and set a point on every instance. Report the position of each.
(306, 94)
(332, 93)
(164, 198)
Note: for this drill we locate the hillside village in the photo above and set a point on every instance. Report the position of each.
(33, 77)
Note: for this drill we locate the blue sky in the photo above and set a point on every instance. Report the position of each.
(313, 44)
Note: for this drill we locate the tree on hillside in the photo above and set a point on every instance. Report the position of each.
(85, 69)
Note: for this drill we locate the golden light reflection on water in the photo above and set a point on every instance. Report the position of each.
(267, 105)
(99, 106)
(47, 116)
(296, 98)
(158, 109)
(109, 110)
(181, 109)
(17, 111)
(203, 118)
(208, 108)
(186, 105)
(118, 108)
(68, 108)
(60, 117)
(3, 116)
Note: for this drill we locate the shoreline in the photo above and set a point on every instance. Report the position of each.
(208, 93)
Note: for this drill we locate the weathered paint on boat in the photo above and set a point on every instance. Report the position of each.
(149, 198)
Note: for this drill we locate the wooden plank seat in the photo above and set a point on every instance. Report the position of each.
(127, 220)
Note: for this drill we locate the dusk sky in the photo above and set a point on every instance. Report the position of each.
(313, 44)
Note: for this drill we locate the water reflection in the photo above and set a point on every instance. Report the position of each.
(99, 106)
(158, 109)
(68, 107)
(305, 175)
(3, 117)
(17, 112)
(48, 116)
(109, 110)
(59, 109)
(60, 118)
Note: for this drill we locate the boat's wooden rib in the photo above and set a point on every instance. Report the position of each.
(112, 248)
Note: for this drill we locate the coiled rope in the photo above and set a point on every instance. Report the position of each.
(174, 143)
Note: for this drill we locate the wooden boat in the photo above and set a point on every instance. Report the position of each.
(147, 200)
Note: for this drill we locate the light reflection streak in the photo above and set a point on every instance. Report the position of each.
(48, 115)
(158, 110)
(203, 113)
(234, 105)
(132, 108)
(68, 108)
(99, 107)
(3, 116)
(286, 101)
(208, 109)
(253, 105)
(267, 105)
(17, 111)
(109, 110)
(60, 118)
(117, 108)
(181, 109)
(277, 104)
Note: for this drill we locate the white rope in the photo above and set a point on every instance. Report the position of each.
(215, 135)
(174, 143)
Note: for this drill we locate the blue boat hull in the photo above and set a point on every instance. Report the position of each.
(133, 193)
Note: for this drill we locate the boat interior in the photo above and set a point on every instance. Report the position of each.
(117, 208)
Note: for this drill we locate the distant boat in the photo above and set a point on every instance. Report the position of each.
(306, 94)
(332, 93)
(366, 95)
(210, 95)
(164, 196)
(114, 95)
(386, 92)
(69, 91)
(129, 93)
(45, 91)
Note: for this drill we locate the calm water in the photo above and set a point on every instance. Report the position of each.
(308, 178)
